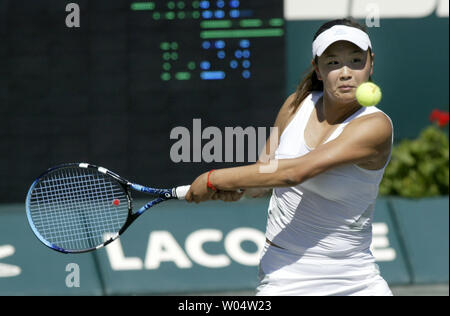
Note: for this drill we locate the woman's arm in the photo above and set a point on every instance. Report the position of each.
(364, 139)
(267, 153)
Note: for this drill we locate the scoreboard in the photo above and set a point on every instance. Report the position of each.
(111, 90)
(212, 39)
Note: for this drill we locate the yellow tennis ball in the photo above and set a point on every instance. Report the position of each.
(368, 94)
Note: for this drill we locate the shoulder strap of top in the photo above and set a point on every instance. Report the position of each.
(303, 113)
(309, 105)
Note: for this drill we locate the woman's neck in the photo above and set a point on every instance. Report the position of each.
(334, 112)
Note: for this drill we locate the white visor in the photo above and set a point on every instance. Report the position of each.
(340, 33)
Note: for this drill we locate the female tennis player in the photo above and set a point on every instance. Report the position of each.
(329, 162)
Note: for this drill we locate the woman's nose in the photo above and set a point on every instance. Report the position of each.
(346, 73)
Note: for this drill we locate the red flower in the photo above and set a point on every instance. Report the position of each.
(439, 117)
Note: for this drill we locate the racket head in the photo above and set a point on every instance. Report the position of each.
(78, 207)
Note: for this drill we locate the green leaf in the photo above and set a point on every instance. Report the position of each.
(419, 167)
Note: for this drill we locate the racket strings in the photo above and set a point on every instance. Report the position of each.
(73, 208)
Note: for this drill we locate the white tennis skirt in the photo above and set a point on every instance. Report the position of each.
(282, 273)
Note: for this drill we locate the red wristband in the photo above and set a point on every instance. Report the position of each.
(209, 184)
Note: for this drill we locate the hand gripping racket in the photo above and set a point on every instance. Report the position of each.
(79, 207)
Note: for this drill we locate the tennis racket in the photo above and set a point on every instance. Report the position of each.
(79, 207)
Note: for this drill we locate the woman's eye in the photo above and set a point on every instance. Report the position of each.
(357, 60)
(333, 62)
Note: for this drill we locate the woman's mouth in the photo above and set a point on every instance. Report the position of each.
(346, 88)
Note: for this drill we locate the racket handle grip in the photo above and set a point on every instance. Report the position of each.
(181, 191)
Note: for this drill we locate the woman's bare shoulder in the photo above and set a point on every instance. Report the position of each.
(286, 112)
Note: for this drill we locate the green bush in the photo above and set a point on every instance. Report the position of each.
(419, 168)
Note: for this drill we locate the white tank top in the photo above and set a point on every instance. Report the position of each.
(331, 214)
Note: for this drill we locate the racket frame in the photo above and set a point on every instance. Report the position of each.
(163, 195)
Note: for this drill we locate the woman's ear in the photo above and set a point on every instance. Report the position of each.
(316, 69)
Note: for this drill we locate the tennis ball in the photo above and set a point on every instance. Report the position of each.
(368, 94)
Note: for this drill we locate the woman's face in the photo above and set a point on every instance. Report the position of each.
(342, 68)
